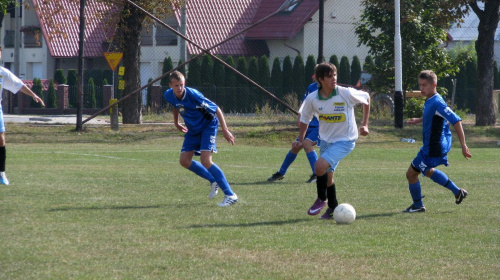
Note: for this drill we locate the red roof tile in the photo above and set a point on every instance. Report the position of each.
(59, 21)
(212, 21)
(283, 25)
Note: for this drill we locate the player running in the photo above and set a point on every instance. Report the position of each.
(202, 118)
(437, 143)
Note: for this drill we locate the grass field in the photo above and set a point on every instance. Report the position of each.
(117, 205)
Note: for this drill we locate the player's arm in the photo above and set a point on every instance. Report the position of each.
(179, 126)
(366, 116)
(461, 137)
(225, 131)
(414, 121)
(26, 90)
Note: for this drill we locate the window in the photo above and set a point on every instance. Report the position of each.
(32, 41)
(9, 38)
(290, 7)
(165, 37)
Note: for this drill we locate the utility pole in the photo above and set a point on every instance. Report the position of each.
(17, 39)
(321, 30)
(79, 102)
(398, 61)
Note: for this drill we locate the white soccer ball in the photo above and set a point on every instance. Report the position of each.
(344, 214)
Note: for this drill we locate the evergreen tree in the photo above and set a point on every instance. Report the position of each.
(149, 92)
(230, 82)
(287, 75)
(335, 61)
(183, 68)
(242, 84)
(105, 82)
(89, 96)
(355, 70)
(344, 71)
(38, 90)
(471, 70)
(309, 70)
(52, 96)
(219, 83)
(368, 63)
(73, 87)
(167, 66)
(462, 86)
(207, 77)
(276, 78)
(298, 75)
(194, 73)
(253, 74)
(264, 72)
(59, 77)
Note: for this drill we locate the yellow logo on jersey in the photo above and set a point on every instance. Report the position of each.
(332, 118)
(339, 103)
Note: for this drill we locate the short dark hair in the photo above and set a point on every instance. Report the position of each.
(175, 75)
(324, 69)
(428, 75)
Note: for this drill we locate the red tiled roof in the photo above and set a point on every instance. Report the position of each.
(212, 21)
(45, 84)
(283, 25)
(65, 14)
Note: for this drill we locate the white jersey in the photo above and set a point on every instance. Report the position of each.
(336, 114)
(9, 81)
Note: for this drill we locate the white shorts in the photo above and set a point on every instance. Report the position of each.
(333, 153)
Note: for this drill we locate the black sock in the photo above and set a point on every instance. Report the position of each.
(321, 184)
(3, 156)
(332, 196)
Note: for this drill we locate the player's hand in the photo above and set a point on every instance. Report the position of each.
(228, 136)
(38, 100)
(297, 145)
(364, 130)
(181, 128)
(465, 152)
(414, 121)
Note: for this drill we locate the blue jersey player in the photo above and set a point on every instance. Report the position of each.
(311, 140)
(437, 143)
(201, 117)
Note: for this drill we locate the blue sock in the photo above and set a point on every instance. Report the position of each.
(312, 157)
(416, 194)
(201, 171)
(290, 157)
(440, 178)
(221, 180)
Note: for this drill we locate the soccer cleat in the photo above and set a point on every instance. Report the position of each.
(316, 207)
(214, 189)
(229, 200)
(276, 176)
(460, 196)
(3, 179)
(313, 179)
(413, 209)
(328, 215)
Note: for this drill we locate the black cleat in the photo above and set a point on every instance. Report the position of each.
(276, 176)
(313, 179)
(460, 196)
(413, 209)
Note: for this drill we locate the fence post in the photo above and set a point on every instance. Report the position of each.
(62, 98)
(156, 96)
(113, 112)
(107, 94)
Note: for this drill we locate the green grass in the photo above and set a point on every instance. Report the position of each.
(117, 205)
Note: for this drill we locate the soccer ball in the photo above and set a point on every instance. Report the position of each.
(344, 214)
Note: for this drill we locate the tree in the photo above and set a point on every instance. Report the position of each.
(207, 75)
(355, 70)
(298, 75)
(335, 61)
(344, 71)
(309, 70)
(59, 77)
(264, 72)
(242, 84)
(72, 86)
(38, 90)
(253, 74)
(423, 29)
(230, 83)
(194, 73)
(276, 78)
(488, 23)
(496, 76)
(287, 75)
(167, 66)
(52, 96)
(89, 96)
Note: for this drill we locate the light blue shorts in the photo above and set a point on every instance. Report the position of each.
(2, 124)
(202, 141)
(333, 153)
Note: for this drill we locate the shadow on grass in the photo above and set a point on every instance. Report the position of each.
(103, 208)
(360, 217)
(273, 223)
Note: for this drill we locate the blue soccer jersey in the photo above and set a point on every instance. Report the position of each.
(310, 89)
(196, 110)
(436, 131)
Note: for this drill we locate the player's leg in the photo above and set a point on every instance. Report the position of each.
(3, 153)
(312, 157)
(414, 186)
(207, 147)
(440, 178)
(289, 159)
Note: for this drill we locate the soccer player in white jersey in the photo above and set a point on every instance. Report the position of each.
(436, 143)
(201, 117)
(12, 83)
(334, 107)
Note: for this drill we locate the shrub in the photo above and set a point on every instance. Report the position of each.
(52, 96)
(414, 107)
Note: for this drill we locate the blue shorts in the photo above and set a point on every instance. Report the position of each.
(333, 153)
(202, 141)
(424, 163)
(2, 124)
(312, 134)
